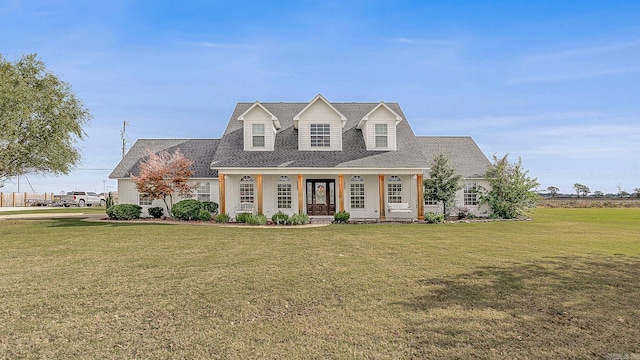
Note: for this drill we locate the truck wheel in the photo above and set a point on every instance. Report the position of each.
(66, 205)
(103, 203)
(81, 203)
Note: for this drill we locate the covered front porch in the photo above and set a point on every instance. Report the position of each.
(364, 193)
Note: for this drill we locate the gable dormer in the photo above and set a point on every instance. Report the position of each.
(259, 128)
(319, 126)
(379, 128)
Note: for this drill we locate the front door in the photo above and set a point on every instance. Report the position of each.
(321, 199)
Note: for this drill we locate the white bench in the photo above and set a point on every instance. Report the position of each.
(399, 208)
(244, 208)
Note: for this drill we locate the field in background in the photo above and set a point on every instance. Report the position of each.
(591, 202)
(561, 286)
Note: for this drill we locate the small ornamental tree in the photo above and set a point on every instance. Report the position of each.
(164, 174)
(512, 190)
(443, 183)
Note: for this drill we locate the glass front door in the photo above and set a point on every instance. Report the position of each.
(321, 198)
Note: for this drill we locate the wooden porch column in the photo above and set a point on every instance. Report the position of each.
(259, 180)
(223, 207)
(420, 197)
(300, 194)
(341, 191)
(381, 196)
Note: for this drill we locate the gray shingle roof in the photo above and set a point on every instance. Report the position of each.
(412, 151)
(463, 153)
(200, 151)
(354, 155)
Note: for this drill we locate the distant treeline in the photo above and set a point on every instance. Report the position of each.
(589, 202)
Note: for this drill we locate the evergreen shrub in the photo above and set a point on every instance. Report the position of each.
(188, 209)
(156, 212)
(341, 217)
(124, 211)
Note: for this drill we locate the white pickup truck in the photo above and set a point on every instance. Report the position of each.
(80, 199)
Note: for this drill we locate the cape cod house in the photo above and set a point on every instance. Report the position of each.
(316, 158)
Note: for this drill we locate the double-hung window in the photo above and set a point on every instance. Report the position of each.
(144, 200)
(257, 131)
(382, 141)
(320, 135)
(203, 191)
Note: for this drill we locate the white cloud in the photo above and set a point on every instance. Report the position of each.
(565, 76)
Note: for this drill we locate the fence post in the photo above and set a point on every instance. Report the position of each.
(13, 203)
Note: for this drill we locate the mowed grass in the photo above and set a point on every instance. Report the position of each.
(562, 286)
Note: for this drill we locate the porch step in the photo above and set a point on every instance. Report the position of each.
(320, 219)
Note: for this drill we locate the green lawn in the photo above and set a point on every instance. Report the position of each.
(562, 286)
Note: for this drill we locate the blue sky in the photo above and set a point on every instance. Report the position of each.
(554, 82)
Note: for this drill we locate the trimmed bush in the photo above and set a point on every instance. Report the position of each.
(341, 217)
(258, 219)
(124, 211)
(243, 217)
(433, 218)
(222, 218)
(210, 206)
(188, 209)
(156, 212)
(299, 219)
(204, 215)
(280, 218)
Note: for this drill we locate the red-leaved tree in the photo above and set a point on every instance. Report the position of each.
(164, 174)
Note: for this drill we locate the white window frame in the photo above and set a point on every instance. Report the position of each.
(320, 135)
(284, 192)
(258, 139)
(470, 194)
(394, 189)
(203, 191)
(246, 190)
(429, 201)
(381, 135)
(144, 200)
(356, 192)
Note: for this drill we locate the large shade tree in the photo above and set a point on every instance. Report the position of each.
(41, 119)
(164, 174)
(443, 183)
(512, 191)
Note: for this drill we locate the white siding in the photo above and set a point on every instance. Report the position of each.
(127, 193)
(380, 116)
(319, 113)
(477, 210)
(258, 116)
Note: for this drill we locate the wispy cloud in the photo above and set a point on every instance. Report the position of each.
(435, 42)
(562, 77)
(588, 50)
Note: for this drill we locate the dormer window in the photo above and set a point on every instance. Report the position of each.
(381, 136)
(379, 128)
(259, 128)
(258, 135)
(320, 135)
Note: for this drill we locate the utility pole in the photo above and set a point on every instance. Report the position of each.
(123, 136)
